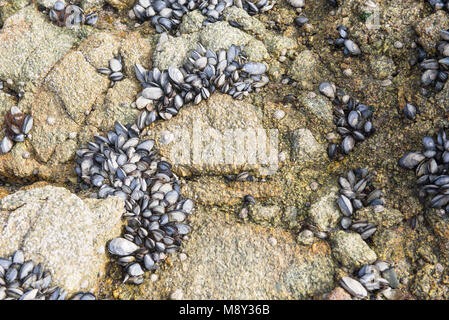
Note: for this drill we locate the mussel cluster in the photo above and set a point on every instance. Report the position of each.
(122, 164)
(165, 92)
(439, 4)
(357, 192)
(436, 69)
(166, 15)
(25, 280)
(71, 15)
(353, 120)
(114, 71)
(371, 279)
(348, 45)
(431, 168)
(17, 128)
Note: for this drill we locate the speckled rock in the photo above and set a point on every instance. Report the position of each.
(426, 286)
(22, 37)
(311, 277)
(391, 244)
(439, 223)
(218, 136)
(135, 48)
(317, 106)
(46, 3)
(46, 135)
(213, 191)
(305, 148)
(8, 8)
(387, 218)
(91, 4)
(382, 67)
(265, 215)
(276, 44)
(99, 48)
(324, 213)
(249, 23)
(212, 38)
(307, 70)
(442, 97)
(116, 106)
(77, 84)
(6, 103)
(350, 249)
(45, 139)
(428, 29)
(73, 92)
(164, 55)
(60, 230)
(191, 22)
(306, 238)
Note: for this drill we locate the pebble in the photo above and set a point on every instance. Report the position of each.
(300, 21)
(311, 95)
(307, 234)
(26, 155)
(154, 277)
(331, 136)
(314, 186)
(347, 72)
(72, 135)
(177, 295)
(51, 121)
(243, 214)
(182, 257)
(352, 47)
(272, 241)
(410, 111)
(297, 3)
(166, 137)
(282, 156)
(398, 45)
(279, 114)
